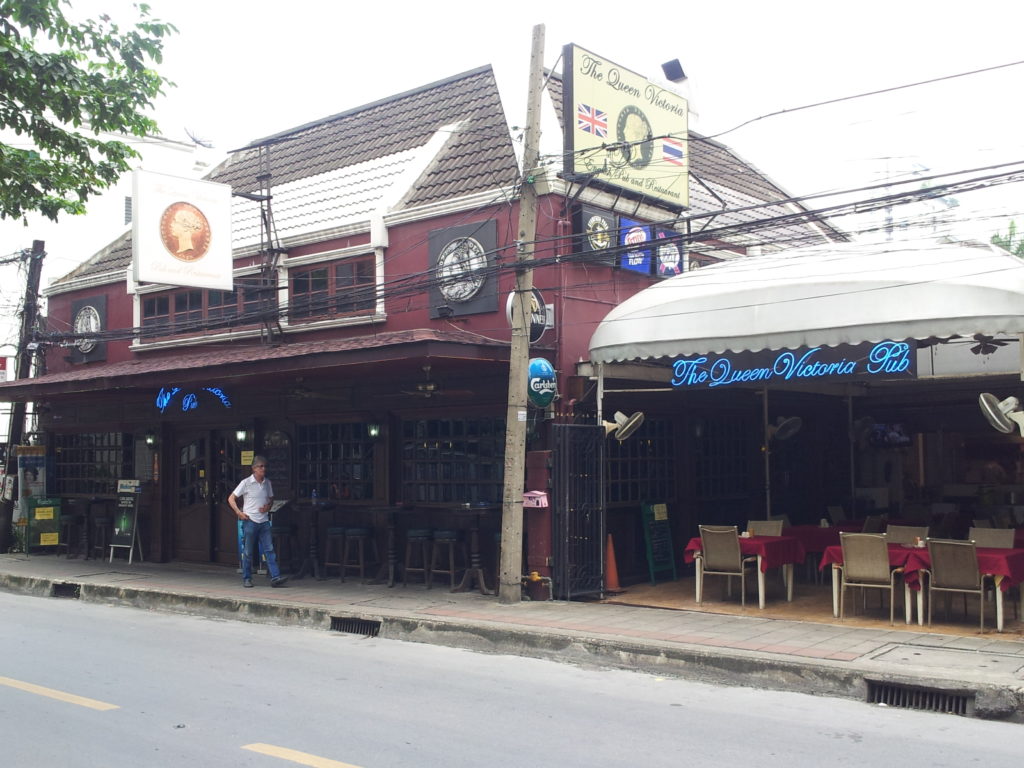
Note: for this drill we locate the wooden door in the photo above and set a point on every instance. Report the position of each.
(192, 523)
(225, 475)
(206, 529)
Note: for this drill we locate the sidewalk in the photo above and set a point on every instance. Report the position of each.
(830, 659)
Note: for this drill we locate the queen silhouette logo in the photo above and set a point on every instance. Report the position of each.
(185, 231)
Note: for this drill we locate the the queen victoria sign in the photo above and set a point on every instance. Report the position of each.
(884, 360)
(181, 232)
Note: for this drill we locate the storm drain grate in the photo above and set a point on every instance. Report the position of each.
(352, 626)
(66, 589)
(923, 699)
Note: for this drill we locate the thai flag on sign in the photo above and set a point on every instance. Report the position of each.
(673, 151)
(592, 120)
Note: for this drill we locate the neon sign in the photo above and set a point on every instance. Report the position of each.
(886, 359)
(189, 400)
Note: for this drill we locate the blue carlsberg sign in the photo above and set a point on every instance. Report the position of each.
(884, 360)
(541, 382)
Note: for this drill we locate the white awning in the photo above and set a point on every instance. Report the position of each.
(824, 296)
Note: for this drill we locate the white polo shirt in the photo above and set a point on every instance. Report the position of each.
(255, 496)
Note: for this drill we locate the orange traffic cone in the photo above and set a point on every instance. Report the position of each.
(611, 570)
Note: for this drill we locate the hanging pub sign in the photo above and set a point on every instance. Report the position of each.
(541, 383)
(882, 360)
(542, 315)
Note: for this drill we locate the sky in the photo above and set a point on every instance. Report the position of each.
(246, 70)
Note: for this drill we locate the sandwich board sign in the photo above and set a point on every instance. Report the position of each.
(126, 519)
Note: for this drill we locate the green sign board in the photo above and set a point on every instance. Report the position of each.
(42, 522)
(658, 537)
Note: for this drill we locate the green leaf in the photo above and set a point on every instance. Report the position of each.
(98, 73)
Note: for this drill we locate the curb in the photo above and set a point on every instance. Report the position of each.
(717, 666)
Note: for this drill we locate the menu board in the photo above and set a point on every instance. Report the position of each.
(277, 449)
(658, 537)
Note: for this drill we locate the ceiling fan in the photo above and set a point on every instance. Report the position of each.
(301, 392)
(428, 388)
(986, 344)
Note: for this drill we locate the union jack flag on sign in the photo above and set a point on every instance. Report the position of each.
(673, 151)
(592, 120)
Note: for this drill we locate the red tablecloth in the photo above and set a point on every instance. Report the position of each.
(775, 551)
(1008, 563)
(1018, 538)
(814, 537)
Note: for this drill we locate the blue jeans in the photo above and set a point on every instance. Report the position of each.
(250, 533)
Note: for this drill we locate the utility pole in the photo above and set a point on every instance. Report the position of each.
(511, 570)
(29, 314)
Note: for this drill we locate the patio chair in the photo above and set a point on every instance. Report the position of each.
(765, 527)
(836, 513)
(905, 534)
(981, 522)
(784, 518)
(866, 565)
(873, 524)
(954, 569)
(997, 538)
(720, 556)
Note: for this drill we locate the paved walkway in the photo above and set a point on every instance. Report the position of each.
(749, 649)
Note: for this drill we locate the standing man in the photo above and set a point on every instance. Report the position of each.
(256, 494)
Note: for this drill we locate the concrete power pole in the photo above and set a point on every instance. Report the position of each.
(29, 314)
(511, 570)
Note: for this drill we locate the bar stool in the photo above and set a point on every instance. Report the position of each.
(356, 543)
(101, 530)
(335, 546)
(284, 539)
(446, 542)
(418, 541)
(71, 525)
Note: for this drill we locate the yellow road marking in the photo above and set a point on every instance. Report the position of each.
(302, 758)
(69, 698)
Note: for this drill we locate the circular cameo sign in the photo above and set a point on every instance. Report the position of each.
(185, 231)
(541, 384)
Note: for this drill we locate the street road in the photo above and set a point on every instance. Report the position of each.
(84, 685)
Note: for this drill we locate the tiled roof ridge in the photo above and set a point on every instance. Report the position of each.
(364, 107)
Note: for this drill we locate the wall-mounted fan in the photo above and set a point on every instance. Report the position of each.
(861, 429)
(624, 425)
(784, 427)
(1002, 414)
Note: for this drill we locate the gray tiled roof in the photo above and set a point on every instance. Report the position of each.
(479, 157)
(340, 169)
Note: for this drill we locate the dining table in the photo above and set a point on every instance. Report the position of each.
(771, 552)
(1006, 566)
(474, 577)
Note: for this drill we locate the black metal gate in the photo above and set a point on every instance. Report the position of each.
(578, 515)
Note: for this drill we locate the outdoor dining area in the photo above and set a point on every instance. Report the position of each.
(971, 580)
(393, 545)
